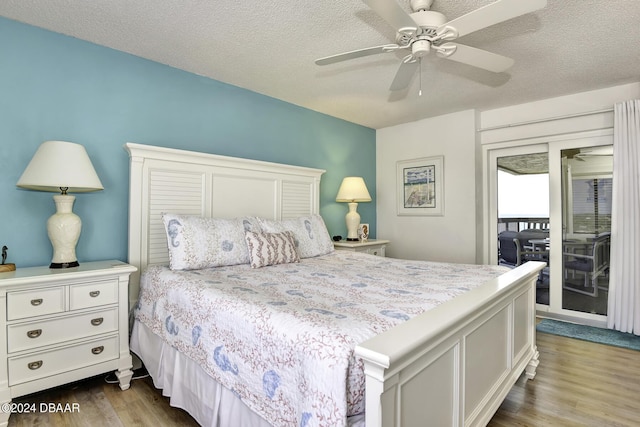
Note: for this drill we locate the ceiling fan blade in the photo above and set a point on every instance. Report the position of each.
(404, 75)
(476, 57)
(390, 11)
(357, 54)
(491, 14)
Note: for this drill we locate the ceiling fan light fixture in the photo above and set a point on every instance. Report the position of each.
(420, 48)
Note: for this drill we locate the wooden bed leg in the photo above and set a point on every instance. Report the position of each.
(530, 370)
(124, 377)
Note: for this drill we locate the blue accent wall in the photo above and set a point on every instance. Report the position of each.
(54, 87)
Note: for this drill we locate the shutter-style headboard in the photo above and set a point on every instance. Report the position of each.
(187, 182)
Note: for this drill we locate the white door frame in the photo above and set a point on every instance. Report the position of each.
(552, 145)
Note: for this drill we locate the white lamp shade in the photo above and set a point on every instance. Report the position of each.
(353, 189)
(60, 164)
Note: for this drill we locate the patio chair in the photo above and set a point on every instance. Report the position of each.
(590, 259)
(514, 247)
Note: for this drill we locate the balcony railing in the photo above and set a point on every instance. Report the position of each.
(522, 223)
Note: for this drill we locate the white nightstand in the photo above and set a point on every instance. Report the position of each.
(371, 246)
(63, 325)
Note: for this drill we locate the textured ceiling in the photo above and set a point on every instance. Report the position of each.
(526, 164)
(270, 46)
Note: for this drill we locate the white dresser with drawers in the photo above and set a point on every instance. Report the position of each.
(63, 325)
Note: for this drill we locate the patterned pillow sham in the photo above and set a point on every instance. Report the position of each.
(197, 242)
(310, 234)
(271, 248)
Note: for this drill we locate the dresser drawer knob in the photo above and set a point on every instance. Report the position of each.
(97, 321)
(36, 302)
(34, 333)
(35, 365)
(94, 294)
(97, 350)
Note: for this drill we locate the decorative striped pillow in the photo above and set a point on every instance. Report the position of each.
(271, 248)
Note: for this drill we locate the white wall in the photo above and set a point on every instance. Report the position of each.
(451, 237)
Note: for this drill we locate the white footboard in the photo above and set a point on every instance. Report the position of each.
(454, 365)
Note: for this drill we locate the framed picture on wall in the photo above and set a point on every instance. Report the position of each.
(420, 186)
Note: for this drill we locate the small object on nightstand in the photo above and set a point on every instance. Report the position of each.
(363, 232)
(337, 238)
(6, 267)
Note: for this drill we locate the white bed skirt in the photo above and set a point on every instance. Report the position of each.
(190, 388)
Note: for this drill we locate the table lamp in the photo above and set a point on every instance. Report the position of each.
(353, 190)
(59, 166)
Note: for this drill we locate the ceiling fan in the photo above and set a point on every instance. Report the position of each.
(584, 153)
(424, 31)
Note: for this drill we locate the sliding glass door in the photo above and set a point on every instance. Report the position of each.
(552, 203)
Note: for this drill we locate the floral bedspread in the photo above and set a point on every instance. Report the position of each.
(282, 337)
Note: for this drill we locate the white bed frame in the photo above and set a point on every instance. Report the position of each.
(451, 366)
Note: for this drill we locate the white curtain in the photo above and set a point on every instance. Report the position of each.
(624, 280)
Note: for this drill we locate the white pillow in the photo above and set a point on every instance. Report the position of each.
(271, 248)
(197, 242)
(310, 234)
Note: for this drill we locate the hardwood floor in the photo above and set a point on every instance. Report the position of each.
(103, 405)
(578, 384)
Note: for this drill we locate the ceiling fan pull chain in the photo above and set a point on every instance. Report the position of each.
(420, 75)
